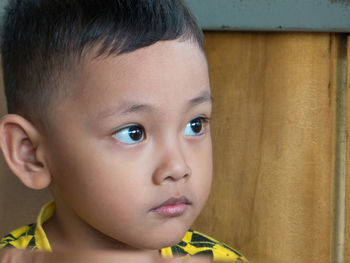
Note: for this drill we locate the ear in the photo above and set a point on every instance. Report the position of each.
(23, 150)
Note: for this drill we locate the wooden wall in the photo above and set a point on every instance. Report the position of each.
(274, 141)
(347, 168)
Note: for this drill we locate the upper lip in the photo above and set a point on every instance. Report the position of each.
(173, 201)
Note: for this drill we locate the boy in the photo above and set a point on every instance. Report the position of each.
(109, 106)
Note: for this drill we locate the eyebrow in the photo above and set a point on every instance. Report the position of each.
(131, 107)
(205, 97)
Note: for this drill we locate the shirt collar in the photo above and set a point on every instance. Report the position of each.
(41, 240)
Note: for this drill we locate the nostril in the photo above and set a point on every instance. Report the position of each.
(186, 176)
(176, 178)
(169, 178)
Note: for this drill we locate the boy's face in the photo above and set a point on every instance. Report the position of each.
(130, 149)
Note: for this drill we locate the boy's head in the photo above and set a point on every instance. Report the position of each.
(109, 103)
(45, 41)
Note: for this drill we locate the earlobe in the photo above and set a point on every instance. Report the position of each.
(22, 147)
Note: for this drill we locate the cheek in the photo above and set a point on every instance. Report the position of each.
(202, 172)
(93, 186)
(98, 174)
(93, 175)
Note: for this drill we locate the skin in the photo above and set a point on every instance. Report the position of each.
(106, 189)
(28, 256)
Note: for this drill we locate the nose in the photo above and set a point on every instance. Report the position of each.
(172, 166)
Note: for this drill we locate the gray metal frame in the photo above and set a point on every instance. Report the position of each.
(273, 15)
(269, 15)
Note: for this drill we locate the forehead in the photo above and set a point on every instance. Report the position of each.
(161, 61)
(165, 74)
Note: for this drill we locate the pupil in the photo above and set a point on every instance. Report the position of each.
(196, 125)
(135, 133)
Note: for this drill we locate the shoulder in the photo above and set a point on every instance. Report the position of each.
(20, 238)
(196, 243)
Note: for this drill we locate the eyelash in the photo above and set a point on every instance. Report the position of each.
(204, 123)
(126, 131)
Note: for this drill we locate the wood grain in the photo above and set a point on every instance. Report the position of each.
(339, 82)
(272, 128)
(347, 198)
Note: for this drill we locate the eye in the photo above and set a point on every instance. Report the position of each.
(131, 134)
(195, 127)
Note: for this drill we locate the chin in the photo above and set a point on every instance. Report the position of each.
(166, 239)
(171, 239)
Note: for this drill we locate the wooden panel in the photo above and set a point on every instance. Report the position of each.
(338, 80)
(347, 204)
(272, 131)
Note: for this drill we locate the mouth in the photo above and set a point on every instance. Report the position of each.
(172, 207)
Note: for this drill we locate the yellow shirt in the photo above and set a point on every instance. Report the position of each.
(194, 243)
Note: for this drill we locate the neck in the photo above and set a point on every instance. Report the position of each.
(74, 234)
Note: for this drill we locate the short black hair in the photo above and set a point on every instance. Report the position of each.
(42, 40)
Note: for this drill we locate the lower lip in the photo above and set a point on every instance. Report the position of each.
(171, 210)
